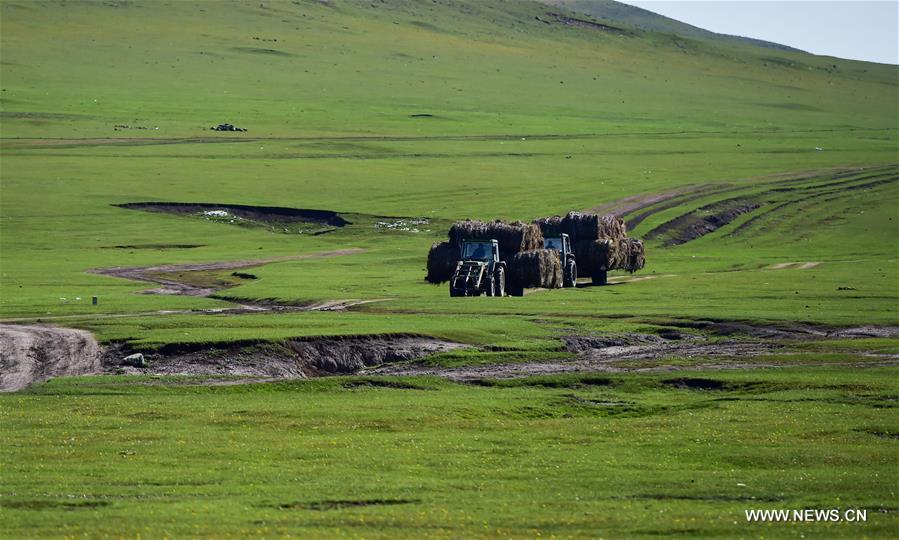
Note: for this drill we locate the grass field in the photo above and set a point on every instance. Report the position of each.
(580, 456)
(388, 112)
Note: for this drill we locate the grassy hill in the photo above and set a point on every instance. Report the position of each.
(623, 13)
(403, 116)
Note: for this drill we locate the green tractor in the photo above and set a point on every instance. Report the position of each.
(480, 271)
(562, 244)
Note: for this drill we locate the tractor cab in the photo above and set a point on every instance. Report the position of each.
(479, 271)
(480, 250)
(559, 243)
(562, 244)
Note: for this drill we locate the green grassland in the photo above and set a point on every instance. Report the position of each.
(577, 456)
(105, 103)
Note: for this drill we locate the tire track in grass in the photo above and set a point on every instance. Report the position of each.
(715, 215)
(30, 142)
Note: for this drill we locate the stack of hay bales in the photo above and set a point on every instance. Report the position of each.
(534, 268)
(600, 242)
(582, 226)
(442, 259)
(551, 226)
(636, 256)
(513, 238)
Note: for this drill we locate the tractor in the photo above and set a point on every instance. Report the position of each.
(562, 244)
(480, 271)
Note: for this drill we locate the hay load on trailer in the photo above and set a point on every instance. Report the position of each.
(600, 243)
(636, 255)
(551, 226)
(442, 259)
(581, 226)
(512, 237)
(535, 268)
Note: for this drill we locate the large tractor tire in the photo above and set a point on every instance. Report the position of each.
(570, 278)
(499, 282)
(454, 292)
(601, 277)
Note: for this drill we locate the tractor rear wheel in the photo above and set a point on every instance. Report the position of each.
(570, 279)
(601, 277)
(499, 283)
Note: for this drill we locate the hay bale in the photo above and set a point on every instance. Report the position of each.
(512, 237)
(442, 259)
(550, 226)
(635, 255)
(595, 255)
(582, 226)
(535, 268)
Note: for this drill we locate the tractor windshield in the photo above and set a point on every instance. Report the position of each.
(477, 251)
(553, 243)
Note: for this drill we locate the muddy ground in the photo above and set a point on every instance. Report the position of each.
(720, 346)
(36, 353)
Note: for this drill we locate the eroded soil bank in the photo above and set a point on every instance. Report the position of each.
(30, 354)
(291, 358)
(36, 353)
(261, 214)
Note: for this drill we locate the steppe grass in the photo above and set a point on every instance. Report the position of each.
(580, 455)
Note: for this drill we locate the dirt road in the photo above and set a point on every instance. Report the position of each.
(151, 274)
(30, 354)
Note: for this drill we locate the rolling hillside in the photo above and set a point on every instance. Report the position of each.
(632, 15)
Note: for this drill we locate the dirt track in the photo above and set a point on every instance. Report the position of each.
(30, 354)
(150, 274)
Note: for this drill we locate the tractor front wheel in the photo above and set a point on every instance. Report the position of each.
(499, 283)
(454, 292)
(570, 279)
(601, 277)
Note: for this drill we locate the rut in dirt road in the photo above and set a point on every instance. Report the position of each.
(30, 354)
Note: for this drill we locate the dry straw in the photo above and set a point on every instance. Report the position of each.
(442, 260)
(535, 268)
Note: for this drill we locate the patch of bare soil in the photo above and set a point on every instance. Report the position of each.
(167, 274)
(287, 359)
(262, 214)
(786, 330)
(30, 354)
